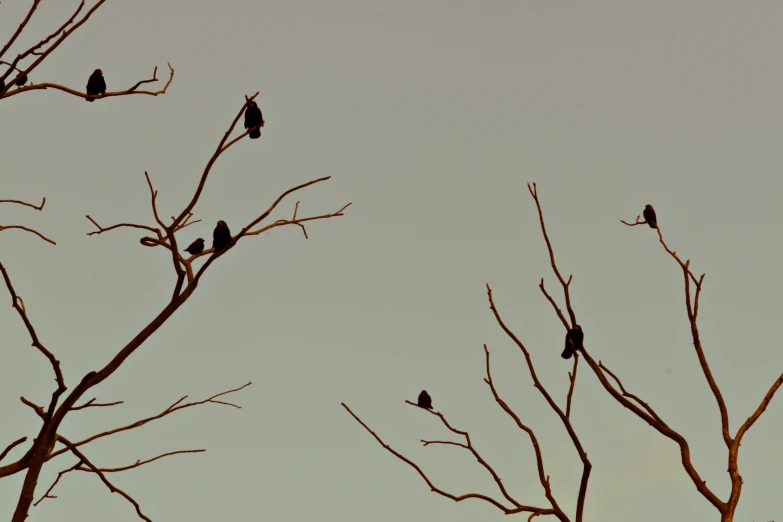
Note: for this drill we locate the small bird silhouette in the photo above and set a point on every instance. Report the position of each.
(221, 237)
(649, 216)
(96, 85)
(2, 85)
(253, 117)
(573, 342)
(425, 401)
(21, 80)
(195, 247)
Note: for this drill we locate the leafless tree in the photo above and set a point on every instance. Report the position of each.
(162, 234)
(693, 286)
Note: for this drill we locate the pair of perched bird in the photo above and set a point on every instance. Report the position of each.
(221, 238)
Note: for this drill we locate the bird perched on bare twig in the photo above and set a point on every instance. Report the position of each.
(649, 216)
(95, 85)
(21, 80)
(573, 342)
(2, 85)
(253, 117)
(425, 401)
(221, 237)
(195, 247)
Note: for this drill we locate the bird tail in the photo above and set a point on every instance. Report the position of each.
(254, 135)
(90, 99)
(652, 224)
(567, 353)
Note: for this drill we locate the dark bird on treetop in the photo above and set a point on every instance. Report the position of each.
(425, 401)
(195, 247)
(253, 117)
(96, 85)
(649, 216)
(21, 80)
(221, 237)
(573, 342)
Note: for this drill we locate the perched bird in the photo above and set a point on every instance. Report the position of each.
(425, 401)
(221, 237)
(2, 85)
(649, 216)
(253, 117)
(573, 342)
(21, 80)
(195, 247)
(96, 85)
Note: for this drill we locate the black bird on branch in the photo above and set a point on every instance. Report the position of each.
(253, 117)
(21, 80)
(425, 401)
(95, 85)
(649, 216)
(195, 247)
(573, 342)
(221, 237)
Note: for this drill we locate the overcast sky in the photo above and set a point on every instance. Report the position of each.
(430, 117)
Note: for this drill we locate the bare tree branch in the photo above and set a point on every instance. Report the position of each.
(19, 202)
(36, 343)
(504, 509)
(92, 404)
(27, 229)
(11, 446)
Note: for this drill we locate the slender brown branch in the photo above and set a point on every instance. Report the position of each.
(56, 481)
(112, 487)
(11, 446)
(220, 149)
(456, 498)
(631, 395)
(101, 229)
(531, 187)
(26, 229)
(31, 205)
(542, 476)
(572, 385)
(15, 302)
(20, 28)
(468, 445)
(171, 409)
(139, 463)
(92, 404)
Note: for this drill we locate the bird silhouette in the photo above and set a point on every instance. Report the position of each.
(425, 401)
(253, 117)
(2, 85)
(649, 216)
(195, 247)
(573, 342)
(221, 237)
(21, 80)
(95, 85)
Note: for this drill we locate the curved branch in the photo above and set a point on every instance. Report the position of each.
(31, 205)
(110, 94)
(456, 498)
(26, 229)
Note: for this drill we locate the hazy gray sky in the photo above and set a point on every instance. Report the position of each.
(431, 117)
